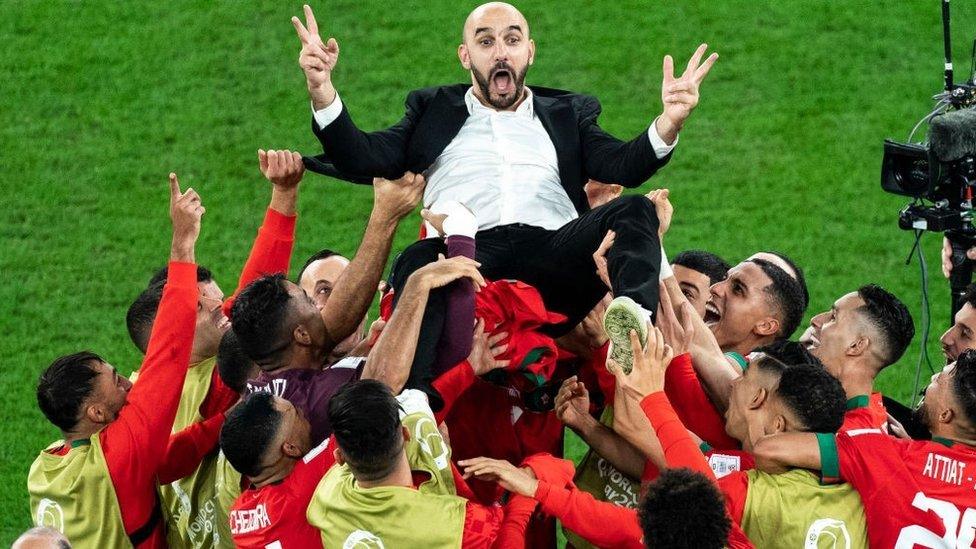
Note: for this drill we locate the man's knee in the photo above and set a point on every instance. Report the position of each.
(636, 208)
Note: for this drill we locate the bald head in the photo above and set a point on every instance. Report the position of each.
(493, 13)
(41, 538)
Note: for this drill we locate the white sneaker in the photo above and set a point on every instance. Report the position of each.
(623, 315)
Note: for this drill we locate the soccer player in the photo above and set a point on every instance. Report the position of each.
(861, 334)
(280, 322)
(771, 397)
(192, 513)
(268, 439)
(98, 484)
(916, 493)
(696, 271)
(395, 484)
(962, 334)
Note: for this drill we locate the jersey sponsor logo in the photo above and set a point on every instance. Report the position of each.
(828, 532)
(945, 469)
(723, 464)
(959, 524)
(49, 513)
(361, 539)
(244, 521)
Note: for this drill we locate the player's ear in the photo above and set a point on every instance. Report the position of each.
(464, 57)
(766, 327)
(778, 424)
(291, 450)
(95, 413)
(531, 51)
(947, 415)
(301, 335)
(858, 347)
(758, 398)
(406, 433)
(337, 454)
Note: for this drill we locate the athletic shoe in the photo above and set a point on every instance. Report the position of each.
(623, 315)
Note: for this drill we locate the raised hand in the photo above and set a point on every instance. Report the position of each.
(650, 364)
(394, 200)
(284, 169)
(678, 327)
(573, 405)
(317, 59)
(680, 95)
(486, 349)
(514, 479)
(664, 209)
(185, 211)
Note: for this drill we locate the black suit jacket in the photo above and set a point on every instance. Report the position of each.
(434, 117)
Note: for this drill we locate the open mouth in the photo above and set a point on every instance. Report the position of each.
(220, 320)
(502, 81)
(712, 314)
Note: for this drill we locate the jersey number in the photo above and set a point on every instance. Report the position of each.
(960, 527)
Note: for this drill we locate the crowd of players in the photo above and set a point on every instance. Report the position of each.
(279, 417)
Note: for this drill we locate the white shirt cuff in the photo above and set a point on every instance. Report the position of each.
(666, 270)
(661, 149)
(326, 116)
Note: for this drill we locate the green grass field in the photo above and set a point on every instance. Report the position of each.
(100, 100)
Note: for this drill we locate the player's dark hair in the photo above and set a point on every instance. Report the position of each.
(259, 317)
(800, 278)
(785, 295)
(892, 319)
(203, 275)
(233, 366)
(321, 254)
(706, 263)
(969, 296)
(142, 313)
(964, 384)
(683, 509)
(365, 418)
(248, 431)
(64, 386)
(815, 397)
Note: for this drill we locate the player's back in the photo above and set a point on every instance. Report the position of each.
(915, 493)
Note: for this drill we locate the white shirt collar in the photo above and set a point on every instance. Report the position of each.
(526, 108)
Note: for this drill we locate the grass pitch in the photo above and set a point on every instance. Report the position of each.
(100, 100)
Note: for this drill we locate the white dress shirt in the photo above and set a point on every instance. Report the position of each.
(502, 165)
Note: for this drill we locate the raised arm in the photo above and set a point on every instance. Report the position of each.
(780, 452)
(573, 409)
(271, 251)
(391, 357)
(355, 289)
(350, 150)
(141, 432)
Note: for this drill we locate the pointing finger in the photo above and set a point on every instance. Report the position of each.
(174, 186)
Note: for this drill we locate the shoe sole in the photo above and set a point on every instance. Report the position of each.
(622, 316)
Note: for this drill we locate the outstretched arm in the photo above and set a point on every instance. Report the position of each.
(271, 252)
(392, 356)
(355, 289)
(784, 451)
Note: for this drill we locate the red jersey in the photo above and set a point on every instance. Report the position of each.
(916, 493)
(692, 404)
(865, 412)
(275, 513)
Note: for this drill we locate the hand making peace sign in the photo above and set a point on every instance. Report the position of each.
(680, 95)
(317, 59)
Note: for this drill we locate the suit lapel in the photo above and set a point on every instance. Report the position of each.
(438, 126)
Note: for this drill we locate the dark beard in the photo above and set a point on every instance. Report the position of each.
(501, 102)
(920, 417)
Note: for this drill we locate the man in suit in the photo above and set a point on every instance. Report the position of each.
(517, 157)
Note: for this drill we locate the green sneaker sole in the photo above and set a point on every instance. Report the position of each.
(622, 316)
